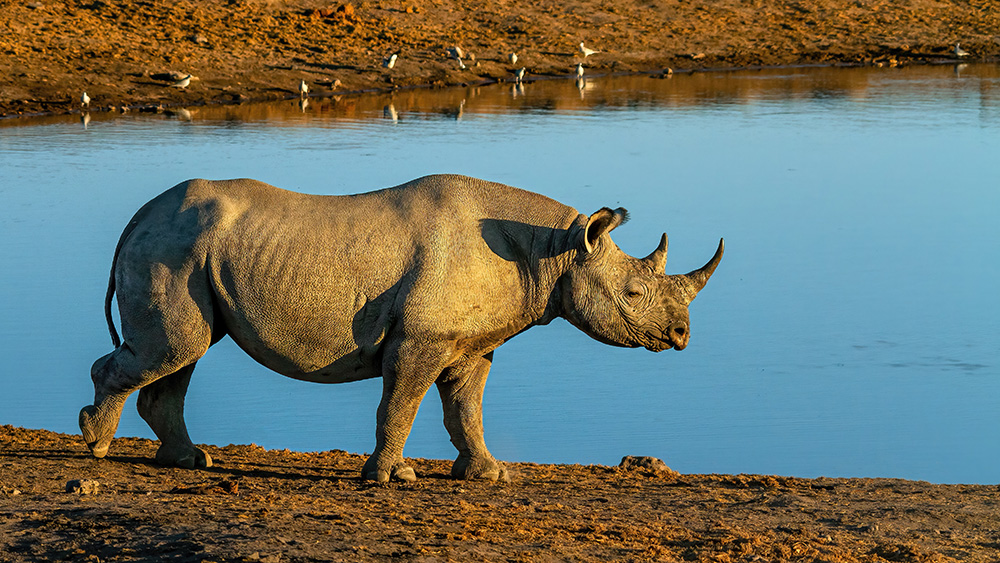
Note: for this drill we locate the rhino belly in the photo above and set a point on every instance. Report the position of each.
(308, 331)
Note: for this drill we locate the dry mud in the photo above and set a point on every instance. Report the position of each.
(265, 505)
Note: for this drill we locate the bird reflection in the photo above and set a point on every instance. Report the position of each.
(389, 112)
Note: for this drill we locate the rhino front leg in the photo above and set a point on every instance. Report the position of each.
(407, 375)
(161, 405)
(461, 388)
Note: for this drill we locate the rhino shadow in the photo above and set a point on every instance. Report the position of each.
(524, 244)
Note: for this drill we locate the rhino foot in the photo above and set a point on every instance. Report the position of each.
(487, 469)
(187, 457)
(95, 434)
(399, 472)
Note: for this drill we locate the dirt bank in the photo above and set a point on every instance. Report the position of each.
(261, 505)
(121, 51)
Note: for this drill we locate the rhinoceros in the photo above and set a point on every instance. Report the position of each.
(417, 284)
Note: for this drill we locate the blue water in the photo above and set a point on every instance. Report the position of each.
(851, 330)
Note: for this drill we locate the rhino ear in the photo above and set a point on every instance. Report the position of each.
(602, 221)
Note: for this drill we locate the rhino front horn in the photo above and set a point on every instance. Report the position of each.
(699, 277)
(658, 259)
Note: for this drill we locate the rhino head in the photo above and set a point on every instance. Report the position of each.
(626, 301)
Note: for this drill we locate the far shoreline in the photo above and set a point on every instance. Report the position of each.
(127, 56)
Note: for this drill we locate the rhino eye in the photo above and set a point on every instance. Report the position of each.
(634, 290)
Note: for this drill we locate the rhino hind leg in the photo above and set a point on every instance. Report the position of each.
(163, 345)
(161, 405)
(98, 422)
(118, 375)
(461, 389)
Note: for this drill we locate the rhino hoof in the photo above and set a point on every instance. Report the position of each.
(185, 457)
(399, 473)
(91, 434)
(405, 473)
(487, 470)
(493, 475)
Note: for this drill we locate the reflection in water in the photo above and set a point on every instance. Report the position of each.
(689, 90)
(389, 112)
(850, 330)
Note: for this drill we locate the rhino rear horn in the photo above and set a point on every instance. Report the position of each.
(658, 259)
(602, 221)
(699, 277)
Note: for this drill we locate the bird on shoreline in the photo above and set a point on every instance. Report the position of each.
(303, 89)
(579, 70)
(519, 74)
(959, 51)
(390, 61)
(182, 83)
(512, 58)
(586, 51)
(85, 100)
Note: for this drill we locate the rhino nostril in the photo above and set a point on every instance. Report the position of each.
(678, 330)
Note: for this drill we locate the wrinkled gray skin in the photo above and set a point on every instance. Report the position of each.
(416, 284)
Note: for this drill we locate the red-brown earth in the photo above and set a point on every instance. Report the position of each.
(266, 505)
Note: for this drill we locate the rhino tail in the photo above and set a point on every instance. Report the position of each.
(115, 339)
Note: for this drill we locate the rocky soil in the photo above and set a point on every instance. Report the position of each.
(263, 505)
(126, 53)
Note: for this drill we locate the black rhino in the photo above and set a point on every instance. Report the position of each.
(416, 284)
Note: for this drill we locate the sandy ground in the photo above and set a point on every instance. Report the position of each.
(264, 505)
(122, 52)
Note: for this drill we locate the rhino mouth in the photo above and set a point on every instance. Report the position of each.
(660, 343)
(659, 346)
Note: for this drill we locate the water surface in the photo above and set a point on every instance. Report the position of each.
(851, 329)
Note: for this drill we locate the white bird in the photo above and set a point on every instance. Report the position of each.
(390, 61)
(303, 89)
(85, 100)
(519, 74)
(182, 83)
(512, 58)
(456, 53)
(579, 70)
(587, 52)
(959, 51)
